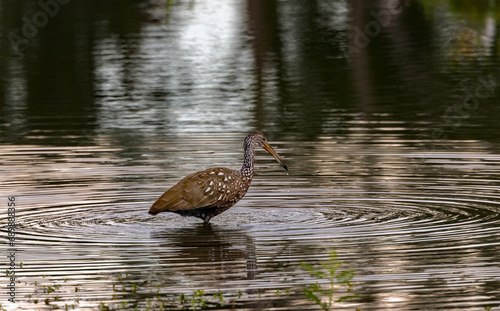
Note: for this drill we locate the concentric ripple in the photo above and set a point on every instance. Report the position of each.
(407, 240)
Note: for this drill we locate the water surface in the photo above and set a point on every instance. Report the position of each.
(393, 153)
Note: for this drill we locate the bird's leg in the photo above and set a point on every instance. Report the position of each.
(206, 219)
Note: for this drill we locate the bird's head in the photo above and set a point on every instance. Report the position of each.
(257, 139)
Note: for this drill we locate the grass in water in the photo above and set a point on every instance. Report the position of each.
(336, 281)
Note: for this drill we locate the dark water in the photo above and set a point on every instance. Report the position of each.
(386, 113)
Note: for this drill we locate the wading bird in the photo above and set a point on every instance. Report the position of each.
(208, 193)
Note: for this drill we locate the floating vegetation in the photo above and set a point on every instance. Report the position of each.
(126, 293)
(64, 295)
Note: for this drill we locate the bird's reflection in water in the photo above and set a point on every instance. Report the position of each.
(210, 257)
(207, 254)
(213, 258)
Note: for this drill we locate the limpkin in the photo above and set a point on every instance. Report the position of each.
(208, 193)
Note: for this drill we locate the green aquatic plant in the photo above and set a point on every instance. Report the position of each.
(198, 299)
(220, 297)
(336, 279)
(63, 294)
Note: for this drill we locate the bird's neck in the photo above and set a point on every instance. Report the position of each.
(247, 168)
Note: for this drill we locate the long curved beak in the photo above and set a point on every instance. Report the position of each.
(275, 155)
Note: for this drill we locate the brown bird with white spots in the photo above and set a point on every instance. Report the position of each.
(208, 193)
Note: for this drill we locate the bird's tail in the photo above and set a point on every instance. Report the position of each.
(154, 211)
(157, 207)
(163, 203)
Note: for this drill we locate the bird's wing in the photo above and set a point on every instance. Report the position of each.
(194, 191)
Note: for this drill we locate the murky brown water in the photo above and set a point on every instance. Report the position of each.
(390, 166)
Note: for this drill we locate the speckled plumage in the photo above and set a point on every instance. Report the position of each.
(208, 193)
